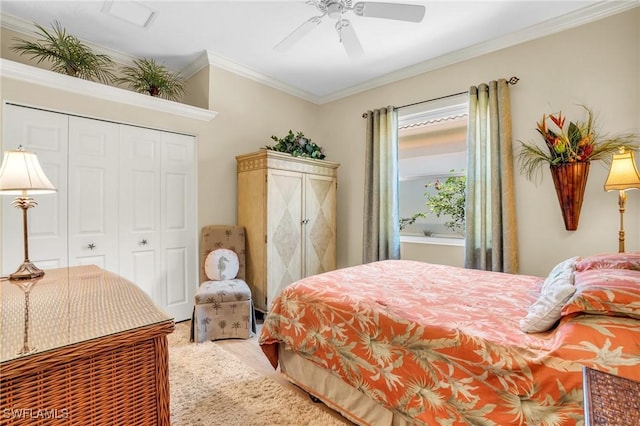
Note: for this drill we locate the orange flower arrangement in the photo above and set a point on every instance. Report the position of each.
(578, 142)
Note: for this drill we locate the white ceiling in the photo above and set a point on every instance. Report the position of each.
(240, 36)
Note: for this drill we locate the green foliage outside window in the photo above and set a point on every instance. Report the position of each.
(448, 200)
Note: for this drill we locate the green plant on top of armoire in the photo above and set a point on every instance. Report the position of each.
(148, 76)
(297, 145)
(67, 54)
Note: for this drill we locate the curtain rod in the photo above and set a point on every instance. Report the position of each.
(512, 80)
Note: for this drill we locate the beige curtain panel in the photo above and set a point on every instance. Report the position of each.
(381, 238)
(490, 236)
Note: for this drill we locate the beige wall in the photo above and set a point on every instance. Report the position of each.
(596, 64)
(249, 113)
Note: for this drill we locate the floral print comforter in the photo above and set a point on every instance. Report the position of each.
(441, 345)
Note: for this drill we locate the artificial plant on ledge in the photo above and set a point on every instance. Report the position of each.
(569, 151)
(148, 76)
(67, 54)
(297, 145)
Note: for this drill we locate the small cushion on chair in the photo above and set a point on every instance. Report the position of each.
(221, 264)
(223, 291)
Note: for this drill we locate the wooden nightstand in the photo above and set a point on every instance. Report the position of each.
(610, 400)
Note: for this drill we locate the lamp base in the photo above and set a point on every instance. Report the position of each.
(27, 271)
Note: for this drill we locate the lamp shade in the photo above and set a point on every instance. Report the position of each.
(21, 173)
(623, 173)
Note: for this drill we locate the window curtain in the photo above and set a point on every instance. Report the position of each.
(381, 206)
(490, 235)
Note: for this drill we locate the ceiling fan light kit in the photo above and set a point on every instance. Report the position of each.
(335, 9)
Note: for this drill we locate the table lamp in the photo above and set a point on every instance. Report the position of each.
(20, 173)
(623, 175)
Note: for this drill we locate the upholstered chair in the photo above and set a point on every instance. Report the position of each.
(223, 304)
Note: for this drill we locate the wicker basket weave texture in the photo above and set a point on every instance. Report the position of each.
(610, 399)
(113, 378)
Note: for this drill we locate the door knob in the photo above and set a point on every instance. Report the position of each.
(91, 246)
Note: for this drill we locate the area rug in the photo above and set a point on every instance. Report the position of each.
(210, 386)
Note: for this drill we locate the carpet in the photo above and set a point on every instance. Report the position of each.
(210, 386)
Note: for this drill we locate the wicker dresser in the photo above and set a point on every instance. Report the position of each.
(82, 346)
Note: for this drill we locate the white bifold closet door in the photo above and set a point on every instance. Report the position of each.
(157, 216)
(93, 193)
(47, 134)
(125, 202)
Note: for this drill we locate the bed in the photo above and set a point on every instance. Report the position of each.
(404, 342)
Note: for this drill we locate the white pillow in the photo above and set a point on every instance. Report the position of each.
(546, 311)
(221, 264)
(561, 273)
(556, 290)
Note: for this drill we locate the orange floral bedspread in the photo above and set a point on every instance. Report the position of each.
(442, 345)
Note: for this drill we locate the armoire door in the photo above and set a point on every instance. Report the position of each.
(320, 224)
(93, 193)
(284, 230)
(45, 133)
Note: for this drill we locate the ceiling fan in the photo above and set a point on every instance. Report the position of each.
(335, 9)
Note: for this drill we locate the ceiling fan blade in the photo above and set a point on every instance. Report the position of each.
(398, 11)
(349, 39)
(297, 34)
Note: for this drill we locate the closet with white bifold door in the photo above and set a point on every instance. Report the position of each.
(125, 202)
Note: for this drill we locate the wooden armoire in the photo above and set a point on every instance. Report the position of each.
(288, 207)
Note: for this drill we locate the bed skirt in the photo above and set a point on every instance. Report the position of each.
(329, 388)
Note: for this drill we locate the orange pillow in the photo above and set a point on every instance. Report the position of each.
(613, 292)
(610, 261)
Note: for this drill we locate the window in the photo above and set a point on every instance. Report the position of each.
(432, 141)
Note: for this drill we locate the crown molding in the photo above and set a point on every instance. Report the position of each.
(46, 78)
(559, 24)
(194, 67)
(226, 64)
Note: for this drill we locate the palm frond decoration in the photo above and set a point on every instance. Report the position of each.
(67, 54)
(578, 142)
(148, 76)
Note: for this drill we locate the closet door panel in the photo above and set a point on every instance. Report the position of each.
(178, 225)
(140, 157)
(177, 292)
(46, 134)
(93, 193)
